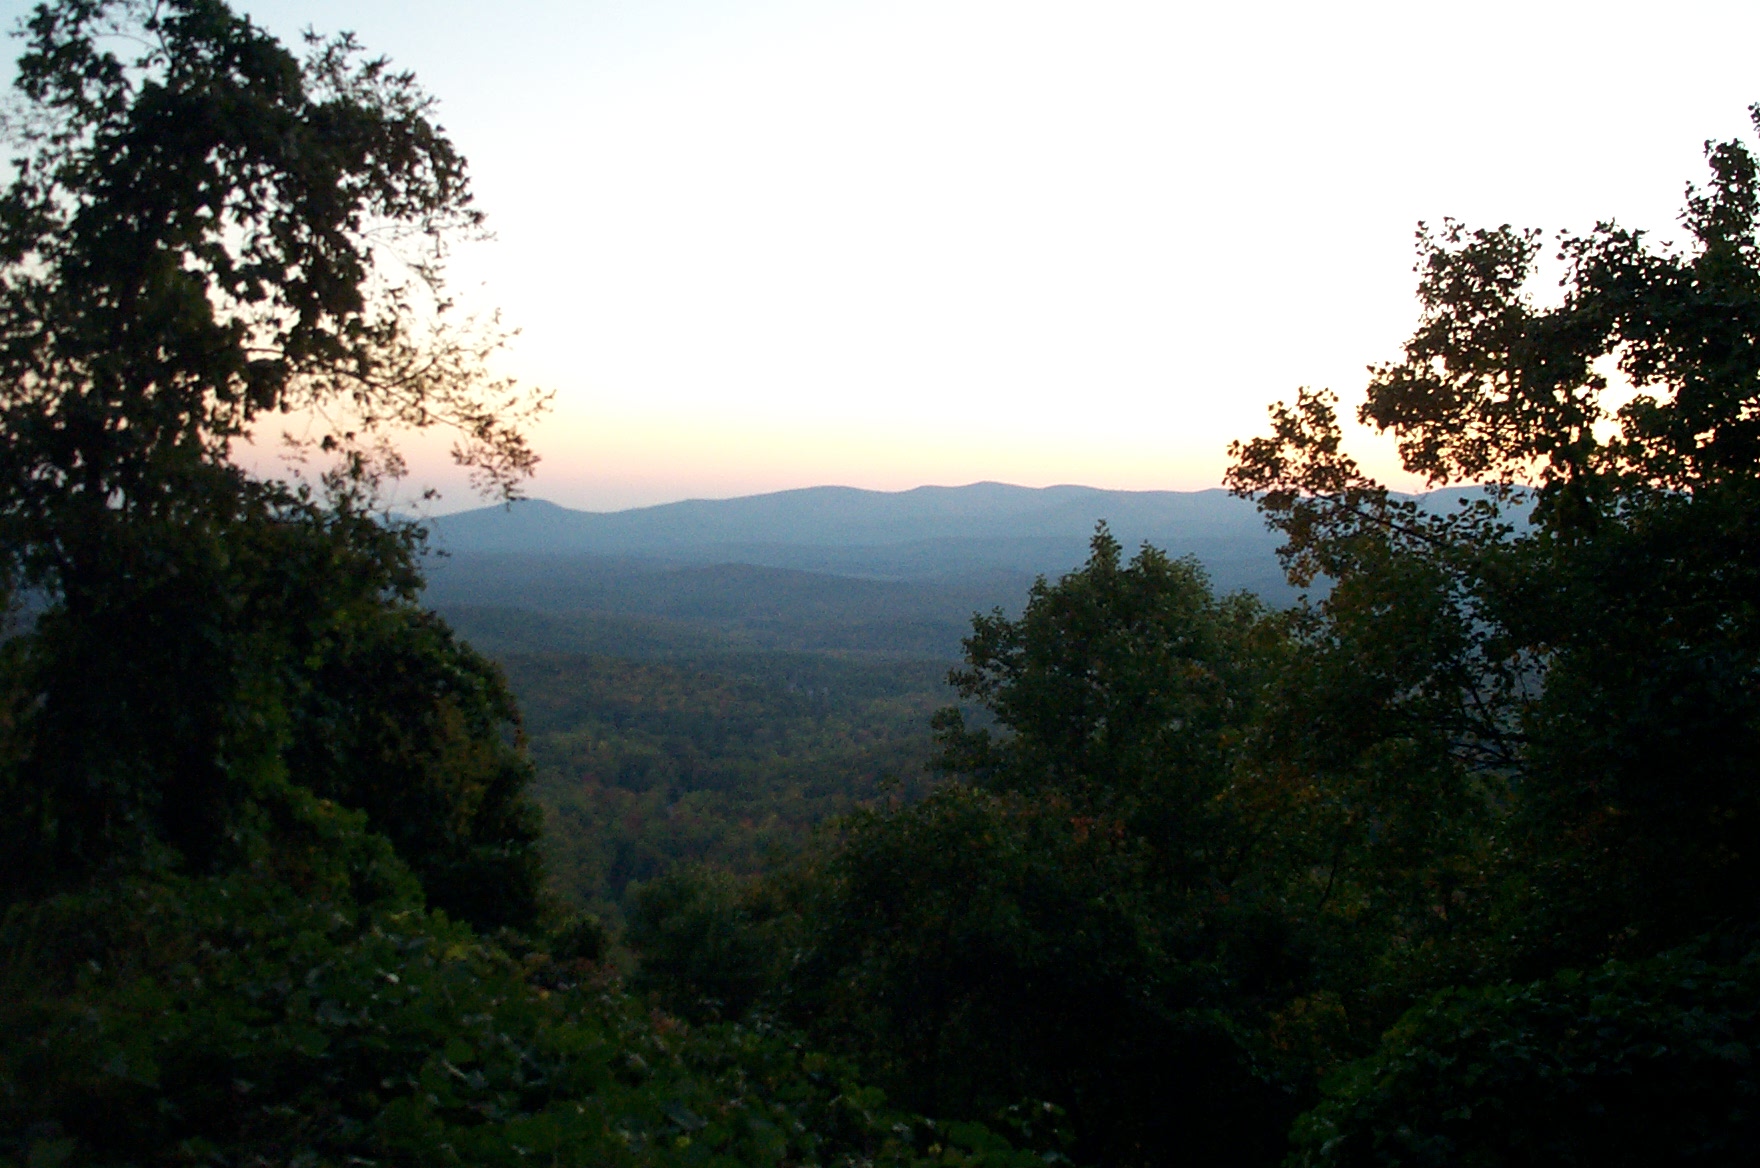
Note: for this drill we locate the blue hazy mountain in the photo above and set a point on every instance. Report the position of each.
(926, 533)
(819, 569)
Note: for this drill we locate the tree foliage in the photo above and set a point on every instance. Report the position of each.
(1572, 677)
(255, 802)
(307, 1009)
(1081, 917)
(1601, 648)
(1460, 848)
(1458, 854)
(204, 233)
(202, 230)
(1623, 1064)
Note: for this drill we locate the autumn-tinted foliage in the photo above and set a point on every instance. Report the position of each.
(1079, 916)
(1461, 848)
(1452, 863)
(731, 759)
(271, 885)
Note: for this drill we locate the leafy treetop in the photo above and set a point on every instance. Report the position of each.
(203, 229)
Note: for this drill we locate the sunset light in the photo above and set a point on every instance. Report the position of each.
(768, 244)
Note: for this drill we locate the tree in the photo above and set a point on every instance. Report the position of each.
(231, 741)
(1555, 676)
(1621, 1065)
(1118, 687)
(1086, 914)
(404, 722)
(978, 950)
(204, 233)
(705, 953)
(1597, 674)
(208, 232)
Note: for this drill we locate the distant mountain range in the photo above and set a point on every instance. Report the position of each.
(820, 569)
(824, 569)
(922, 534)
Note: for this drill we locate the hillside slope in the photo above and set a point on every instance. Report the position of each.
(921, 533)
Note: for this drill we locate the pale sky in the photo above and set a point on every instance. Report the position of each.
(769, 244)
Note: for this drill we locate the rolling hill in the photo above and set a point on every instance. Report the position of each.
(819, 569)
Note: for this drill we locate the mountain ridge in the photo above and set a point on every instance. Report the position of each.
(850, 518)
(838, 569)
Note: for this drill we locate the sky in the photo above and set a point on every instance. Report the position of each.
(768, 244)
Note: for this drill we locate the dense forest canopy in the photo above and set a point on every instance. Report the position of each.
(1451, 863)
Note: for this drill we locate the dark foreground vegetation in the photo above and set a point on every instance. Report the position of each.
(1456, 865)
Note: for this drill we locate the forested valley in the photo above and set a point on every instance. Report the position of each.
(641, 766)
(1450, 861)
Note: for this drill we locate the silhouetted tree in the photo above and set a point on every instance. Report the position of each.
(202, 233)
(1562, 672)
